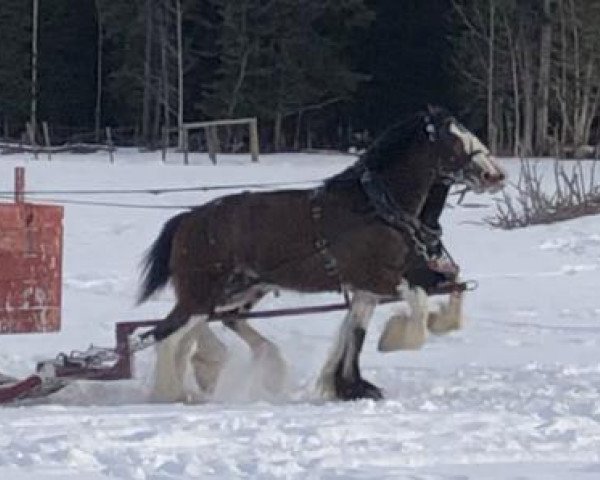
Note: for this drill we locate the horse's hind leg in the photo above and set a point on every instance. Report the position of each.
(171, 354)
(340, 377)
(208, 359)
(264, 352)
(175, 337)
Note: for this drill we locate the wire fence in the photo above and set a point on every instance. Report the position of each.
(46, 195)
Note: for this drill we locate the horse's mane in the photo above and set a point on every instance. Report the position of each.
(391, 146)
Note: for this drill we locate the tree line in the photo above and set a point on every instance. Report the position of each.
(535, 65)
(524, 74)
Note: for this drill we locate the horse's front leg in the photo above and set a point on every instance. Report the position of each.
(450, 316)
(407, 332)
(340, 377)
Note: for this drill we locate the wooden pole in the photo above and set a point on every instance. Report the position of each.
(19, 184)
(31, 135)
(186, 160)
(491, 137)
(180, 73)
(165, 143)
(111, 145)
(47, 139)
(34, 55)
(211, 144)
(254, 145)
(99, 48)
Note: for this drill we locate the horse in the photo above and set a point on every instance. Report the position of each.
(359, 232)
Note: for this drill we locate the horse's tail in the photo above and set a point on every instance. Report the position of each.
(155, 265)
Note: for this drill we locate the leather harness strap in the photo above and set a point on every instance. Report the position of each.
(321, 243)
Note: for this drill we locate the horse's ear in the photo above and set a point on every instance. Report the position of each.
(433, 110)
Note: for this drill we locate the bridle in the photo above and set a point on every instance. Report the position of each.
(385, 207)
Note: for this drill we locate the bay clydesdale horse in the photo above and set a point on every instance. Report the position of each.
(368, 231)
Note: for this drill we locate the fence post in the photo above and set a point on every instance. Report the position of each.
(210, 143)
(19, 184)
(165, 143)
(111, 145)
(254, 147)
(186, 146)
(47, 139)
(31, 133)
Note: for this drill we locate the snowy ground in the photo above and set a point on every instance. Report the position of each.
(516, 394)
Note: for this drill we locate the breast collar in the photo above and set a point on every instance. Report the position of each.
(387, 209)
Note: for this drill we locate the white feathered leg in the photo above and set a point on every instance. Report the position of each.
(208, 359)
(449, 318)
(340, 377)
(407, 331)
(172, 356)
(265, 354)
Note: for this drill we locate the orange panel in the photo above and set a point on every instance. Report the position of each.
(30, 267)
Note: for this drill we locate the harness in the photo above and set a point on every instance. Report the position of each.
(426, 240)
(321, 244)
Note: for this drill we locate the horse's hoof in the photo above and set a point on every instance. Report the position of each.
(357, 390)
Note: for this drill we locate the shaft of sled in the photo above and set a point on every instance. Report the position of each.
(333, 307)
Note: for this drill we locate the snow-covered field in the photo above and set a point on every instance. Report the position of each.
(515, 394)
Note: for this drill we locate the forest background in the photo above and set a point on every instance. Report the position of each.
(524, 74)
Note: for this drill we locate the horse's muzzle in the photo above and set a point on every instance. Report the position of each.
(493, 178)
(493, 181)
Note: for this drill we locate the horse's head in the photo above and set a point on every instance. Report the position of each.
(463, 157)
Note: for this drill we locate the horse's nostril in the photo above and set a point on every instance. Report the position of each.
(496, 177)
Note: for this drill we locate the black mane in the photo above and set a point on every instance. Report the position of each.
(390, 146)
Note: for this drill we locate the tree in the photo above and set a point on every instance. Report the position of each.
(280, 58)
(15, 55)
(67, 62)
(546, 70)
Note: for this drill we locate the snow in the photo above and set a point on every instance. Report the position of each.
(515, 394)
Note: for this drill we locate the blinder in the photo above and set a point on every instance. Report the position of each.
(430, 129)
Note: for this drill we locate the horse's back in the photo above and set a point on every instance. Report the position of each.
(277, 238)
(254, 230)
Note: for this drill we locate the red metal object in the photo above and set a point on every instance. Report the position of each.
(20, 389)
(31, 238)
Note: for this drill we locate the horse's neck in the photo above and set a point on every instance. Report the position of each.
(434, 204)
(409, 182)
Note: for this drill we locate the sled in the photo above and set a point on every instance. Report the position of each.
(116, 363)
(30, 293)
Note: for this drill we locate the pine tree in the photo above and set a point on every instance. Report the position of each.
(280, 58)
(15, 38)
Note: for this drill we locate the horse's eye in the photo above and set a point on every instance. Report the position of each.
(458, 147)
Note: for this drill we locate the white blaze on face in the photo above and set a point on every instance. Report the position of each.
(480, 155)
